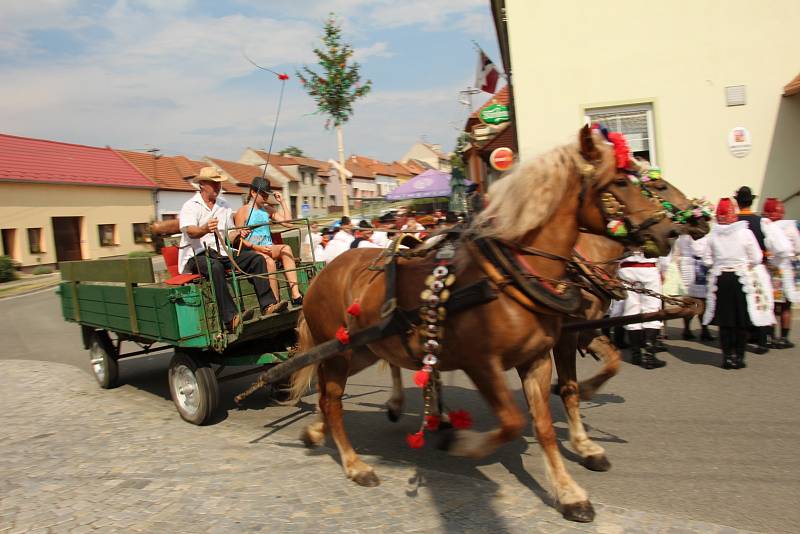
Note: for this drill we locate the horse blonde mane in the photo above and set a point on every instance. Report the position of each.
(526, 197)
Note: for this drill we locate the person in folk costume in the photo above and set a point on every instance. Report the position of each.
(736, 296)
(760, 334)
(782, 271)
(642, 337)
(688, 257)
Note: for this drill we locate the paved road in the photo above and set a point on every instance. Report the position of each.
(693, 447)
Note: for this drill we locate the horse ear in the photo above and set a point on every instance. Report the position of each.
(588, 149)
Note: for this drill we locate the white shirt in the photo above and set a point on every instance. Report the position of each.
(732, 247)
(380, 238)
(414, 229)
(339, 244)
(195, 213)
(789, 229)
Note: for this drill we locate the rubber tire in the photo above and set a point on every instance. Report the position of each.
(207, 388)
(101, 340)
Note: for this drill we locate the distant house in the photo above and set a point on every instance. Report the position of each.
(308, 180)
(63, 201)
(237, 173)
(172, 175)
(429, 154)
(485, 138)
(385, 174)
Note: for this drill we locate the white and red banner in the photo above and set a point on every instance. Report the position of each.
(486, 76)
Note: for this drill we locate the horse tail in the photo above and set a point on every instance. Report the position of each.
(300, 380)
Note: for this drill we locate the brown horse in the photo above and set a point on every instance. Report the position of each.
(541, 205)
(603, 252)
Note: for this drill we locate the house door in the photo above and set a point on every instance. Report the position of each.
(10, 242)
(67, 233)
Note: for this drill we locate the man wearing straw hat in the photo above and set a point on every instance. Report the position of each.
(203, 219)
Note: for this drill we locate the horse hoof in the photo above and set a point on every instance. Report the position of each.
(581, 512)
(393, 415)
(366, 478)
(596, 462)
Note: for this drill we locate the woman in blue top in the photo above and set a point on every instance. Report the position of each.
(260, 209)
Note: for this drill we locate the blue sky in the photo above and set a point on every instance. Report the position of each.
(170, 74)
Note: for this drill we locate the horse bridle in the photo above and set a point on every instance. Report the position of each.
(696, 212)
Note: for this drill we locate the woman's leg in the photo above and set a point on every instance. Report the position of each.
(284, 254)
(273, 280)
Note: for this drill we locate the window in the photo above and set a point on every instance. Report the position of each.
(107, 234)
(35, 240)
(635, 121)
(141, 233)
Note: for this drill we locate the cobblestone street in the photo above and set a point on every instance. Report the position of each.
(76, 458)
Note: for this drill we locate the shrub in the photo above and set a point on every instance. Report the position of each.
(140, 253)
(7, 270)
(42, 270)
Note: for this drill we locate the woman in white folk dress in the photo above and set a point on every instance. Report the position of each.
(782, 270)
(736, 298)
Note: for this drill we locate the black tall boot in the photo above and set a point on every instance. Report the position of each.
(619, 338)
(649, 360)
(636, 337)
(740, 344)
(687, 330)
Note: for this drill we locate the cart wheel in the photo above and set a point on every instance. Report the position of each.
(193, 387)
(103, 359)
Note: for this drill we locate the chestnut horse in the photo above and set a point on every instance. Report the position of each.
(605, 253)
(540, 205)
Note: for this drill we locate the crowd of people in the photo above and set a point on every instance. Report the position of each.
(744, 269)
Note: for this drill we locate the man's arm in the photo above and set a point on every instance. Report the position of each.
(189, 218)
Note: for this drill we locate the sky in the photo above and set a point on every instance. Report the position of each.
(171, 74)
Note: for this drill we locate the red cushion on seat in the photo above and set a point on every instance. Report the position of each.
(171, 259)
(181, 279)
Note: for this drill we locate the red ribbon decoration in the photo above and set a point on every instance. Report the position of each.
(421, 378)
(460, 419)
(283, 76)
(343, 335)
(621, 150)
(416, 441)
(432, 422)
(354, 309)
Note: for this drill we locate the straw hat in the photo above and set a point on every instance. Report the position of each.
(209, 174)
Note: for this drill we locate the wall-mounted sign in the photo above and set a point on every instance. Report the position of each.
(501, 159)
(494, 114)
(740, 142)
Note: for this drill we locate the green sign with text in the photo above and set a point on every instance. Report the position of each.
(494, 114)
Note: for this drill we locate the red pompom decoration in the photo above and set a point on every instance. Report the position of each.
(421, 378)
(354, 309)
(460, 419)
(621, 150)
(416, 441)
(432, 422)
(283, 76)
(343, 335)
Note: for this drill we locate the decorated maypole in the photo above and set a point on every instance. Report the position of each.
(336, 87)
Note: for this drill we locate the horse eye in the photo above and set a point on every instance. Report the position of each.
(661, 186)
(622, 182)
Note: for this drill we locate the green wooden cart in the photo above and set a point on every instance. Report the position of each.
(128, 301)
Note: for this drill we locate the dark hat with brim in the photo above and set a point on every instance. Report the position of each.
(261, 185)
(365, 225)
(744, 195)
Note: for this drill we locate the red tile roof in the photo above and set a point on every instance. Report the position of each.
(240, 172)
(500, 97)
(23, 159)
(359, 171)
(323, 167)
(504, 138)
(171, 173)
(377, 167)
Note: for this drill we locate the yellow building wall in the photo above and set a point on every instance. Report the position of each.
(680, 55)
(24, 206)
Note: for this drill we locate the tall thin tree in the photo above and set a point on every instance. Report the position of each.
(336, 87)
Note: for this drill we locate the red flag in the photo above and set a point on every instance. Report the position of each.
(486, 76)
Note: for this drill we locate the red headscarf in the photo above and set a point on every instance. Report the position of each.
(726, 211)
(773, 209)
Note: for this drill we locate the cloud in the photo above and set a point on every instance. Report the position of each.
(374, 50)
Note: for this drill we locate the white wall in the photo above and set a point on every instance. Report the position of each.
(571, 55)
